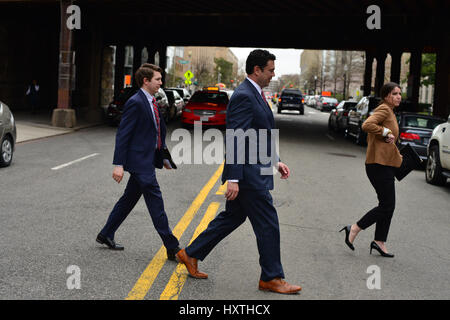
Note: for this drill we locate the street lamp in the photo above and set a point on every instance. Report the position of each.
(315, 84)
(345, 79)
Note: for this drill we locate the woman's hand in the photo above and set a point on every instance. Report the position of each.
(390, 138)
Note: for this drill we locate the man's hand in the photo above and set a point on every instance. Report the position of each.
(117, 174)
(284, 170)
(232, 190)
(390, 138)
(166, 164)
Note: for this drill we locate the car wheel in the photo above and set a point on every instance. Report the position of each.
(360, 137)
(433, 170)
(6, 152)
(173, 113)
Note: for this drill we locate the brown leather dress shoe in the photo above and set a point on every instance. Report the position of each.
(278, 285)
(191, 265)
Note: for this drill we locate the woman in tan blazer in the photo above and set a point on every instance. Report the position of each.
(382, 158)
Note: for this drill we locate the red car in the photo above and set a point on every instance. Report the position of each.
(208, 105)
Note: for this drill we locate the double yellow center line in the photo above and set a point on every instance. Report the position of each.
(176, 282)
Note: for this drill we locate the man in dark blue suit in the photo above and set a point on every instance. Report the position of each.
(140, 142)
(248, 180)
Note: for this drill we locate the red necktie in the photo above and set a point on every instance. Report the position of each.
(264, 98)
(155, 109)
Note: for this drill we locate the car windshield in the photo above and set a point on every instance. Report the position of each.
(294, 94)
(330, 100)
(349, 105)
(422, 122)
(212, 97)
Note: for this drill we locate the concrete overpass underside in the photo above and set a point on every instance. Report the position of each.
(69, 63)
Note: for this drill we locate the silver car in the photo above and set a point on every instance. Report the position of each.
(7, 135)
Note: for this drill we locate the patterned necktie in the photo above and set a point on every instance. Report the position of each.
(155, 109)
(264, 98)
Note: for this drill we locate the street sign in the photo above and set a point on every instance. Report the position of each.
(188, 75)
(188, 82)
(183, 61)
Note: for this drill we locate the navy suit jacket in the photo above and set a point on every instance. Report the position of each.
(247, 110)
(136, 137)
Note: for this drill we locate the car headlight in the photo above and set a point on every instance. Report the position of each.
(12, 119)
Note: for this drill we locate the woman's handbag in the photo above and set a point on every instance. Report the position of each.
(411, 161)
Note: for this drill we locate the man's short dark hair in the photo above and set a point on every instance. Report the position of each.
(146, 71)
(258, 58)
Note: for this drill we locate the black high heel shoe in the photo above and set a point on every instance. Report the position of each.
(374, 245)
(347, 233)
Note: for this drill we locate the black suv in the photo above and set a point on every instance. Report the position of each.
(291, 99)
(357, 116)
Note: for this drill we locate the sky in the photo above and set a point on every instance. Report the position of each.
(287, 60)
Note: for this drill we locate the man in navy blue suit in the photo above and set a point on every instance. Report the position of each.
(140, 142)
(248, 182)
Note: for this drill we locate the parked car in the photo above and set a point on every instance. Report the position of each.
(183, 92)
(8, 135)
(327, 104)
(363, 109)
(208, 105)
(311, 101)
(176, 103)
(338, 119)
(415, 130)
(291, 99)
(438, 162)
(115, 108)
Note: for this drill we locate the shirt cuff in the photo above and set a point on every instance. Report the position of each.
(233, 181)
(386, 131)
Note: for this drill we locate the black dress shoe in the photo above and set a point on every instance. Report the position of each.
(374, 245)
(347, 234)
(109, 242)
(171, 253)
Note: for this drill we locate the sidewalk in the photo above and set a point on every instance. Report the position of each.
(37, 126)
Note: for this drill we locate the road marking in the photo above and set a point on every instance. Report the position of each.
(75, 161)
(179, 276)
(145, 281)
(222, 188)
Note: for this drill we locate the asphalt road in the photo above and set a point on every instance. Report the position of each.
(50, 218)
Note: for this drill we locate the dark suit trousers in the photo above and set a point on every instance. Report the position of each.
(257, 205)
(147, 185)
(382, 179)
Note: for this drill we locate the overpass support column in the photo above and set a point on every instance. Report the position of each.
(441, 105)
(151, 53)
(396, 65)
(137, 60)
(368, 73)
(379, 77)
(64, 115)
(119, 69)
(163, 61)
(415, 67)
